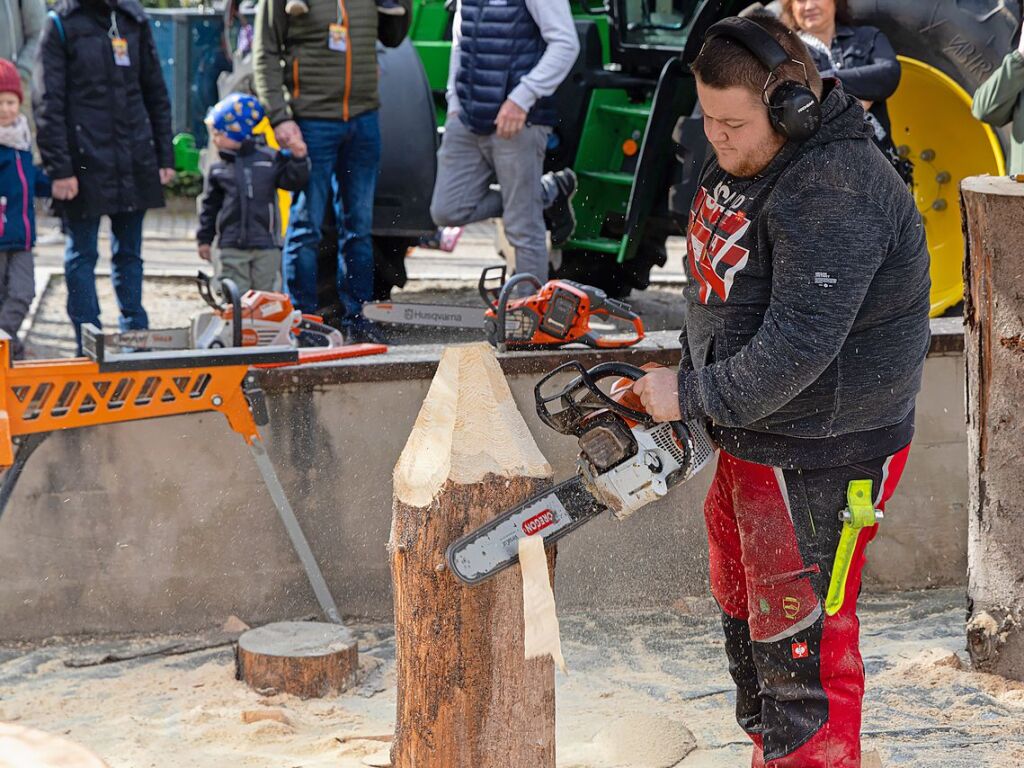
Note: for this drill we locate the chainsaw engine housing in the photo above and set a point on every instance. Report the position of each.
(627, 468)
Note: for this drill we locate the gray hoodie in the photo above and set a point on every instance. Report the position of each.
(21, 24)
(808, 301)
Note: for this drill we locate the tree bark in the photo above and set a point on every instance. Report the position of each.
(467, 698)
(307, 659)
(994, 347)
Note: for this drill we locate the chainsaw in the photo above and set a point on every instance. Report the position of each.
(555, 314)
(268, 319)
(627, 460)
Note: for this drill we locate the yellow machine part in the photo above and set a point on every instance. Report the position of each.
(932, 124)
(284, 199)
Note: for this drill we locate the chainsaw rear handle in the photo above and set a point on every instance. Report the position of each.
(569, 420)
(506, 296)
(229, 290)
(490, 295)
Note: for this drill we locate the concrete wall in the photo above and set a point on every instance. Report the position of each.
(165, 524)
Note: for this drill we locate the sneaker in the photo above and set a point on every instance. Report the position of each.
(390, 8)
(296, 7)
(559, 216)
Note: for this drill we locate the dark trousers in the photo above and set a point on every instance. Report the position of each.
(773, 535)
(17, 289)
(80, 256)
(345, 157)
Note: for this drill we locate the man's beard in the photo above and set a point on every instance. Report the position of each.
(748, 165)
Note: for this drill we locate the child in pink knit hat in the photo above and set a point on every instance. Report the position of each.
(18, 185)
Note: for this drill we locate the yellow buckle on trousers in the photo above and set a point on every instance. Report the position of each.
(859, 513)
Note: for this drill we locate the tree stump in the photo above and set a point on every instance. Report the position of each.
(994, 346)
(307, 659)
(22, 747)
(467, 697)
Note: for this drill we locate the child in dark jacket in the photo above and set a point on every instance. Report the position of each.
(19, 182)
(238, 206)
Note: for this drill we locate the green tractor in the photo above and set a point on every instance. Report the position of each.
(630, 128)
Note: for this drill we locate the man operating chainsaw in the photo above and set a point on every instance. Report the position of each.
(803, 348)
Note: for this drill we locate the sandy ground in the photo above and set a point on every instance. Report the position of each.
(645, 690)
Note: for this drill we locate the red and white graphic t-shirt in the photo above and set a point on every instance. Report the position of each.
(717, 224)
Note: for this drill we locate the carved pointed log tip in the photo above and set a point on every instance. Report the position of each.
(468, 427)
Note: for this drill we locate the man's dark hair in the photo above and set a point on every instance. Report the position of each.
(726, 63)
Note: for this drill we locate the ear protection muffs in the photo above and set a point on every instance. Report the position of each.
(793, 109)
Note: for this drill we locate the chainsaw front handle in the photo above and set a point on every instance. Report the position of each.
(569, 420)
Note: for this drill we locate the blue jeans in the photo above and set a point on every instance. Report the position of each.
(80, 256)
(345, 158)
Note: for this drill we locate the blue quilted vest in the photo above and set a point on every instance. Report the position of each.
(500, 44)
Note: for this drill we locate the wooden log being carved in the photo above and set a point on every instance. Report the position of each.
(467, 698)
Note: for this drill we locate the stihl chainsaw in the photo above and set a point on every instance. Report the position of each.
(555, 314)
(627, 460)
(267, 319)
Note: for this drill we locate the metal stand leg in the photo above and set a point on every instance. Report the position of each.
(291, 524)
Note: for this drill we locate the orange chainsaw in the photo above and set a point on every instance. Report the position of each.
(555, 314)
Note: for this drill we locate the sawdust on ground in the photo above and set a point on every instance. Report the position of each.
(647, 689)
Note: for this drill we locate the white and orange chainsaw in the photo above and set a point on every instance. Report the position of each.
(255, 319)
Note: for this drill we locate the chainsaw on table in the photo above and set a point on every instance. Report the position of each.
(255, 319)
(627, 460)
(555, 314)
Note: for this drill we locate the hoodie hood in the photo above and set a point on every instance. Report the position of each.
(842, 118)
(65, 8)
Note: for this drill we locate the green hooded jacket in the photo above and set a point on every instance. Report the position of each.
(998, 102)
(300, 74)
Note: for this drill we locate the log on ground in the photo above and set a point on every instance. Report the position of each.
(307, 659)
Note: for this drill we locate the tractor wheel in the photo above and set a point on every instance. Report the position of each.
(947, 49)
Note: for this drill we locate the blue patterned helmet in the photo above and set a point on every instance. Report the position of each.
(235, 115)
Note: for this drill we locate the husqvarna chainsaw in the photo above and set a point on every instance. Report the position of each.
(553, 314)
(627, 460)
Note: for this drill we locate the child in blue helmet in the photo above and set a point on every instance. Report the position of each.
(238, 207)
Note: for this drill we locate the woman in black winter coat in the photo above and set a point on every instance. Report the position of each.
(861, 57)
(104, 133)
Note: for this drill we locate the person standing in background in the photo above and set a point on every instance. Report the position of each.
(21, 26)
(507, 61)
(238, 207)
(998, 102)
(316, 74)
(19, 182)
(860, 57)
(104, 134)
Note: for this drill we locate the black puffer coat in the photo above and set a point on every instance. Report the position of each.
(108, 125)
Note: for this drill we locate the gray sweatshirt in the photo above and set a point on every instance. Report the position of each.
(808, 302)
(554, 19)
(21, 24)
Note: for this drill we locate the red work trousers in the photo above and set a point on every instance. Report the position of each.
(773, 535)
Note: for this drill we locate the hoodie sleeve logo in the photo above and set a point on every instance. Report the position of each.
(712, 249)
